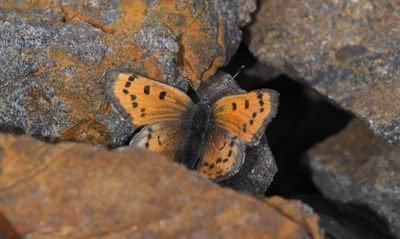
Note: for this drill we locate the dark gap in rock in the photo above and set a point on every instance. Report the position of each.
(304, 119)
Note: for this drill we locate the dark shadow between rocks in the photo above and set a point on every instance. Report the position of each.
(12, 129)
(304, 119)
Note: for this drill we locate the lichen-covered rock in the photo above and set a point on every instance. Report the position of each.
(72, 190)
(53, 55)
(349, 51)
(360, 171)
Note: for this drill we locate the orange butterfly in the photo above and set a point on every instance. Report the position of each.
(208, 138)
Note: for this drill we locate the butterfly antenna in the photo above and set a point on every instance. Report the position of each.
(238, 72)
(223, 86)
(189, 82)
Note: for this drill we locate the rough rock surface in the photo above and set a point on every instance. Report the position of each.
(360, 171)
(336, 225)
(349, 51)
(53, 55)
(72, 190)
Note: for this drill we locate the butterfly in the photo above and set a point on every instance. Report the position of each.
(208, 138)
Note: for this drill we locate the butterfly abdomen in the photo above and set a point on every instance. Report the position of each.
(197, 125)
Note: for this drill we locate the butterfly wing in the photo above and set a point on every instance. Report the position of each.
(223, 156)
(143, 100)
(163, 138)
(246, 115)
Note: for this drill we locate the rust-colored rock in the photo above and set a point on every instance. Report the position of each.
(53, 55)
(6, 229)
(73, 190)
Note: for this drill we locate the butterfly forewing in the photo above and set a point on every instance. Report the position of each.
(246, 115)
(163, 138)
(145, 101)
(223, 156)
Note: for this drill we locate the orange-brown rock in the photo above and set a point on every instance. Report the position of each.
(71, 190)
(53, 55)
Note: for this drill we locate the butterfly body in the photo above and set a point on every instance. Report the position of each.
(208, 138)
(196, 125)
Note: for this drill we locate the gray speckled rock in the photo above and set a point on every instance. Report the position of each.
(349, 51)
(53, 57)
(361, 172)
(44, 90)
(259, 167)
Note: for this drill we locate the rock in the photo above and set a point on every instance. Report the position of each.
(346, 50)
(53, 56)
(361, 172)
(6, 230)
(336, 225)
(72, 190)
(257, 172)
(259, 167)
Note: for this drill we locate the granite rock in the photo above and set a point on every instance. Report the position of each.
(53, 55)
(361, 173)
(71, 190)
(349, 51)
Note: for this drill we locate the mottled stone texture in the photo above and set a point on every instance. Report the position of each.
(72, 190)
(361, 172)
(53, 55)
(349, 51)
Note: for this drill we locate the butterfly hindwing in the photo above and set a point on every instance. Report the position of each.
(223, 156)
(246, 115)
(143, 100)
(163, 138)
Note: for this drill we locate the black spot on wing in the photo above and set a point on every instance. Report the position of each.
(234, 106)
(127, 84)
(146, 90)
(125, 91)
(246, 104)
(158, 140)
(132, 77)
(162, 95)
(133, 97)
(134, 105)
